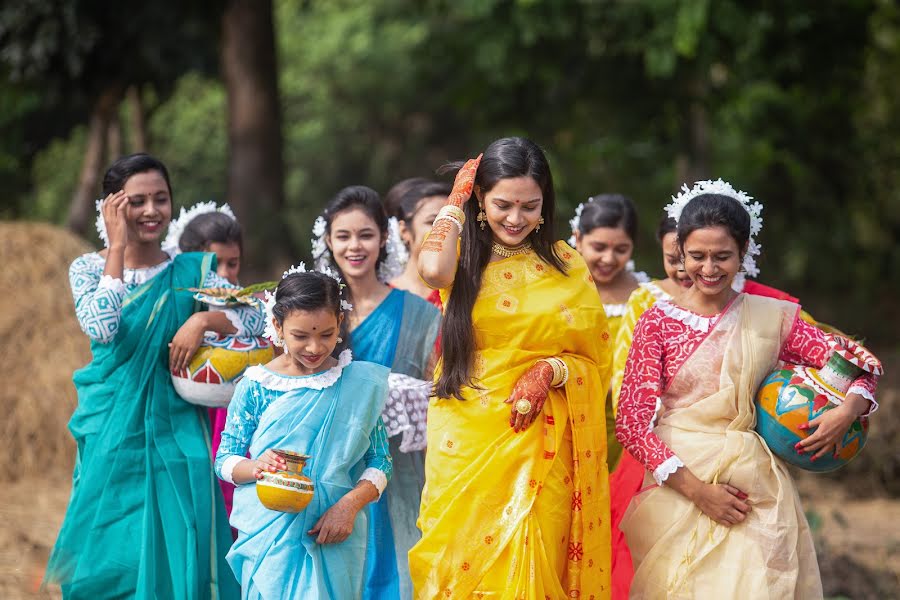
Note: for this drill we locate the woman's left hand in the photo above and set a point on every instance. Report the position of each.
(830, 428)
(336, 524)
(533, 387)
(186, 341)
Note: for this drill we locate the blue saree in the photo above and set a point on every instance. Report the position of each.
(399, 334)
(274, 555)
(146, 518)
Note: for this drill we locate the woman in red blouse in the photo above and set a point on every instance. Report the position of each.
(720, 516)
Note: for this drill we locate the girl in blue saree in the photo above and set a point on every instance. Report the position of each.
(396, 329)
(308, 402)
(145, 519)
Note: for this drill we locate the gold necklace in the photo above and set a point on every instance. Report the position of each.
(507, 251)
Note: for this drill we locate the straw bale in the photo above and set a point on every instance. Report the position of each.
(42, 346)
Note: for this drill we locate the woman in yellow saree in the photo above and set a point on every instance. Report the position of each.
(516, 501)
(723, 518)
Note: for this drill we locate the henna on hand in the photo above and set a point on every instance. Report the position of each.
(434, 241)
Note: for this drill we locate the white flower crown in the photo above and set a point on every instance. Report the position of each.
(269, 301)
(176, 227)
(393, 265)
(754, 209)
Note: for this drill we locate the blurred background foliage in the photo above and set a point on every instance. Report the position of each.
(796, 103)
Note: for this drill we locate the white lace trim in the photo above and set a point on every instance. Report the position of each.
(406, 409)
(615, 310)
(114, 284)
(656, 291)
(862, 391)
(235, 320)
(692, 320)
(284, 383)
(669, 466)
(376, 477)
(228, 466)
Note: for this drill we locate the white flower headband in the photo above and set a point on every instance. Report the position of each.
(393, 265)
(269, 301)
(100, 224)
(754, 209)
(176, 227)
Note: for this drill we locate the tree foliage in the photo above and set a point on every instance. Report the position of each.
(796, 103)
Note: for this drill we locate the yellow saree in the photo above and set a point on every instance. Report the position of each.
(510, 515)
(707, 419)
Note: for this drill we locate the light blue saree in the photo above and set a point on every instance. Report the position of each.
(274, 555)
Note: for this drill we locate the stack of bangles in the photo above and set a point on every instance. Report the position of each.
(560, 375)
(454, 214)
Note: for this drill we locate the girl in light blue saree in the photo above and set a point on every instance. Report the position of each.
(396, 329)
(146, 518)
(306, 402)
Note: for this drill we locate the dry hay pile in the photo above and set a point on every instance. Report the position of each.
(42, 346)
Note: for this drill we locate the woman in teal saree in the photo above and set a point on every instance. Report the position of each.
(146, 518)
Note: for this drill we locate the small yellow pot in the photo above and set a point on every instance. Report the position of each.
(286, 491)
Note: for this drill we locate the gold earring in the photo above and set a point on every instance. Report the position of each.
(540, 222)
(482, 217)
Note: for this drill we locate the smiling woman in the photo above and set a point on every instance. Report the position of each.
(142, 481)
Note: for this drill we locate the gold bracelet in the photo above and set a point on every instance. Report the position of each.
(560, 371)
(453, 211)
(451, 218)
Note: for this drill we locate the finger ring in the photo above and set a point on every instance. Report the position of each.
(523, 406)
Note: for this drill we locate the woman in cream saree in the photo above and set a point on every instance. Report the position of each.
(724, 518)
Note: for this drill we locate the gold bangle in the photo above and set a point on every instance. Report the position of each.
(453, 211)
(560, 370)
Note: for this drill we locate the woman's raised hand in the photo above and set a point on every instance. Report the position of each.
(530, 392)
(724, 504)
(268, 461)
(113, 210)
(465, 181)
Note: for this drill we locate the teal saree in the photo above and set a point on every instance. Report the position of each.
(146, 517)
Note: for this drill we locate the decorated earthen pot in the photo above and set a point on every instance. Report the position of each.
(794, 395)
(217, 366)
(289, 490)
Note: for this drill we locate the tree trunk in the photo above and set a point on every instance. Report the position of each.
(81, 210)
(138, 120)
(255, 164)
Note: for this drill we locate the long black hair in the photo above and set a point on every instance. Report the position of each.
(609, 210)
(126, 166)
(308, 291)
(712, 210)
(503, 159)
(209, 228)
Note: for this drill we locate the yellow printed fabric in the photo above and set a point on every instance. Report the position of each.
(510, 515)
(640, 300)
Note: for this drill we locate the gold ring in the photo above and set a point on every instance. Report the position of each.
(523, 406)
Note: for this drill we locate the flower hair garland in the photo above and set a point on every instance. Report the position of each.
(100, 223)
(754, 209)
(575, 222)
(269, 301)
(176, 227)
(396, 253)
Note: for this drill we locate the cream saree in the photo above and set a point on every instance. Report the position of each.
(525, 515)
(707, 419)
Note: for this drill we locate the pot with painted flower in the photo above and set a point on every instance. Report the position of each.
(794, 395)
(289, 490)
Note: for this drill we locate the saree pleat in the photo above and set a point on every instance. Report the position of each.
(521, 515)
(707, 420)
(145, 519)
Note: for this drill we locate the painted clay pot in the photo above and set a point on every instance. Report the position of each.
(217, 366)
(286, 491)
(794, 395)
